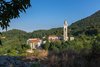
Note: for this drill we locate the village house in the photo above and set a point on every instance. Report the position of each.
(52, 38)
(34, 43)
(37, 42)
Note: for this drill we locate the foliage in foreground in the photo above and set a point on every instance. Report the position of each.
(10, 9)
(82, 54)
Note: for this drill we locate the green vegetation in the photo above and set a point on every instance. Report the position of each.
(84, 51)
(42, 33)
(81, 52)
(11, 9)
(79, 44)
(14, 43)
(88, 26)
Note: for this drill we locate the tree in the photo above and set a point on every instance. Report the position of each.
(11, 9)
(46, 46)
(96, 46)
(0, 39)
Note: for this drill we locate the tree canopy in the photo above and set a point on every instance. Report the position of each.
(10, 9)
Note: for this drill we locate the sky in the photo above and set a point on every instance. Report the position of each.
(47, 14)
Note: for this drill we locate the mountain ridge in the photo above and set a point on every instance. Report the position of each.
(83, 26)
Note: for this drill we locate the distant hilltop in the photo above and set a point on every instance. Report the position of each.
(89, 25)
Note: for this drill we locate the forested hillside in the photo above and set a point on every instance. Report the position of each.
(89, 25)
(13, 41)
(84, 51)
(42, 33)
(16, 39)
(14, 33)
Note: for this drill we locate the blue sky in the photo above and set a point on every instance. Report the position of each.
(46, 14)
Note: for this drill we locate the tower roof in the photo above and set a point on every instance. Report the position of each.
(65, 22)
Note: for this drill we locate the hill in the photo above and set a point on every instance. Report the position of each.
(13, 42)
(42, 33)
(16, 39)
(14, 33)
(84, 49)
(89, 25)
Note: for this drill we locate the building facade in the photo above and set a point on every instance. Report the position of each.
(52, 38)
(34, 43)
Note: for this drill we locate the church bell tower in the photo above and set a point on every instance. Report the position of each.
(65, 31)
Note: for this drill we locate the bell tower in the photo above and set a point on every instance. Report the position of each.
(65, 31)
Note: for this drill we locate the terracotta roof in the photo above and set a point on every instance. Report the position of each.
(52, 36)
(35, 40)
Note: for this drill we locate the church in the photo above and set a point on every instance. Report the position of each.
(36, 42)
(65, 32)
(65, 37)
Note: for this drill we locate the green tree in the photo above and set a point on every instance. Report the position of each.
(11, 9)
(46, 45)
(96, 45)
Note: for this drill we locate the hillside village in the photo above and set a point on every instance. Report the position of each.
(58, 48)
(19, 38)
(35, 43)
(27, 38)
